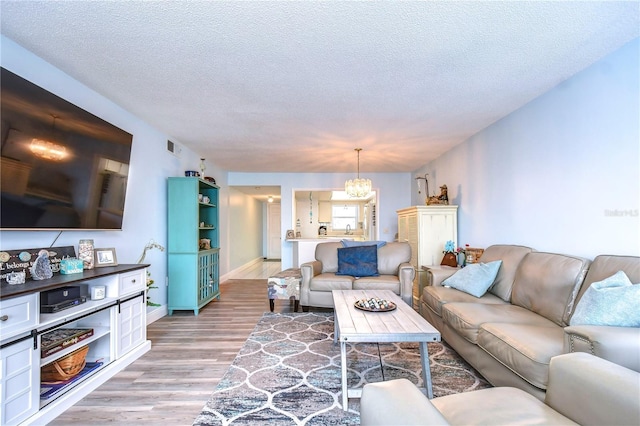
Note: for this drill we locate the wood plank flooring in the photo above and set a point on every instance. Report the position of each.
(189, 355)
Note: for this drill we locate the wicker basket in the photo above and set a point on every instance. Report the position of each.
(65, 367)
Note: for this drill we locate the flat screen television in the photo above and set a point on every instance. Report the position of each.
(62, 168)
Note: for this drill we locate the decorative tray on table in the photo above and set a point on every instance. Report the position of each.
(375, 305)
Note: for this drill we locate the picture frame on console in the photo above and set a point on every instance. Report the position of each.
(105, 257)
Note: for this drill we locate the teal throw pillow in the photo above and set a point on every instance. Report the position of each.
(360, 261)
(612, 301)
(475, 278)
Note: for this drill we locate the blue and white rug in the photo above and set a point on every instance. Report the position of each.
(288, 373)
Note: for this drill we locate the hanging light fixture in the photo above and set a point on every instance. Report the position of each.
(358, 188)
(270, 199)
(47, 149)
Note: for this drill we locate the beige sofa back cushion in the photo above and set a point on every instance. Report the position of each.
(327, 253)
(605, 266)
(511, 257)
(391, 255)
(548, 284)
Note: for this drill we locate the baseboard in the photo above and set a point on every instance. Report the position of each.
(156, 314)
(238, 270)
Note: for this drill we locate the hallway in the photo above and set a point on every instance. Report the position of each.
(259, 270)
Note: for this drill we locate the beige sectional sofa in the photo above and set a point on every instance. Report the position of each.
(511, 333)
(583, 389)
(319, 277)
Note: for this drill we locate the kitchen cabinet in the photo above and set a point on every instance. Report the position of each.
(324, 212)
(193, 243)
(117, 322)
(427, 229)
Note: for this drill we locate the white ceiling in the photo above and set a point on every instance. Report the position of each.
(296, 86)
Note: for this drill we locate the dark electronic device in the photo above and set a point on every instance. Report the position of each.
(62, 298)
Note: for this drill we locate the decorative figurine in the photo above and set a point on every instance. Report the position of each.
(443, 198)
(41, 269)
(16, 277)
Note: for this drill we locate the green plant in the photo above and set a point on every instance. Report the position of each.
(149, 287)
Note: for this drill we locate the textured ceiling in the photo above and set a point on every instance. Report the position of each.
(296, 86)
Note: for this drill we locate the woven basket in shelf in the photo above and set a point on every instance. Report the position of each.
(65, 367)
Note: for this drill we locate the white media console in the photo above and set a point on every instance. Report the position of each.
(119, 337)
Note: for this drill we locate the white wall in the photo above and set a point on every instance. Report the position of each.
(393, 188)
(561, 174)
(151, 163)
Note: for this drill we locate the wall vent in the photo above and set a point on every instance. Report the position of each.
(174, 148)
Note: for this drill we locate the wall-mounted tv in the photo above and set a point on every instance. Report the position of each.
(62, 167)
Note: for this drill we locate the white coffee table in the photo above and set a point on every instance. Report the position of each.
(403, 324)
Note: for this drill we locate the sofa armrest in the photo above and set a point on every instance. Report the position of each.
(620, 345)
(593, 391)
(406, 275)
(437, 274)
(397, 402)
(308, 270)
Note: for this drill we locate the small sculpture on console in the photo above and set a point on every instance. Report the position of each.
(443, 198)
(41, 269)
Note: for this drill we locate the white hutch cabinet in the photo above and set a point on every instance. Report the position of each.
(427, 229)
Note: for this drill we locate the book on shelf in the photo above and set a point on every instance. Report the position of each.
(61, 338)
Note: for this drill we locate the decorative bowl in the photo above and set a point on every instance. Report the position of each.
(191, 173)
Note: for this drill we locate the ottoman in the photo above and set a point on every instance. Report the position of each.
(285, 285)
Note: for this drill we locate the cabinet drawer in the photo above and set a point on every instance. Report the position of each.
(131, 282)
(18, 315)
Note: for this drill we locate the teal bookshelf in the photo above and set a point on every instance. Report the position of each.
(193, 265)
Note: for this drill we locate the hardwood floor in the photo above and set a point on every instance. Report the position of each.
(170, 384)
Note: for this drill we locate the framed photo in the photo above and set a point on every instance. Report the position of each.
(105, 257)
(290, 234)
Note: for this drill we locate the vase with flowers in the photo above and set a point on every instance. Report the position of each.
(450, 258)
(462, 256)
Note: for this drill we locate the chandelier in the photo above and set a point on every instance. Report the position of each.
(358, 188)
(47, 149)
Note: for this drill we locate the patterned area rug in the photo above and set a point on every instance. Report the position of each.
(288, 373)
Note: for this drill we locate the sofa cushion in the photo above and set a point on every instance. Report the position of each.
(352, 243)
(548, 283)
(467, 318)
(382, 282)
(613, 301)
(436, 296)
(523, 348)
(327, 253)
(606, 265)
(359, 261)
(474, 279)
(331, 281)
(391, 255)
(511, 257)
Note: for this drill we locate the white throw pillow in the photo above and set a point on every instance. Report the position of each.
(475, 278)
(613, 301)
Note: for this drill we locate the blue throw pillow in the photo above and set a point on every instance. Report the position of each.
(360, 261)
(475, 278)
(351, 243)
(613, 301)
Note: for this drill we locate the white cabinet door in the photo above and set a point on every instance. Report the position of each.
(20, 377)
(132, 325)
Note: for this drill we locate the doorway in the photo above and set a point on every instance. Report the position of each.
(274, 231)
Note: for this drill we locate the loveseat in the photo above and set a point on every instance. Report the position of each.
(583, 389)
(511, 332)
(321, 276)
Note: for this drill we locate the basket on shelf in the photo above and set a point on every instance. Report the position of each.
(65, 367)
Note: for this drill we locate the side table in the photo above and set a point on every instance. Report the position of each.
(285, 285)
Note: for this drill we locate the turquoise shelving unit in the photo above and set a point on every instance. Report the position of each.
(194, 278)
